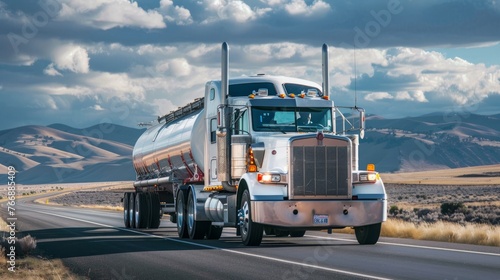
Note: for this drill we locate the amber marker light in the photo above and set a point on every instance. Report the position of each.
(251, 166)
(370, 167)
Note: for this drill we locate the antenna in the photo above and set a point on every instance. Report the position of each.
(355, 80)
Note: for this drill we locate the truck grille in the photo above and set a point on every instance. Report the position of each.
(320, 172)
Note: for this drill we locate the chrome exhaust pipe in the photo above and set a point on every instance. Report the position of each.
(326, 82)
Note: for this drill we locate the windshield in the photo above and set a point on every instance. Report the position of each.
(283, 119)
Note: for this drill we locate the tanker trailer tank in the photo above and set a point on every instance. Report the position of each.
(171, 152)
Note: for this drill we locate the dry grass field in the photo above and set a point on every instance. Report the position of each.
(477, 175)
(455, 205)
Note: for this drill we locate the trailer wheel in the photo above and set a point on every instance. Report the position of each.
(155, 214)
(214, 232)
(368, 235)
(196, 229)
(251, 233)
(141, 211)
(126, 209)
(297, 233)
(131, 209)
(181, 214)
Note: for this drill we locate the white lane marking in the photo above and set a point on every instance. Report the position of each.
(414, 246)
(222, 249)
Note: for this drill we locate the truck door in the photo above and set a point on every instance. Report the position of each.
(213, 100)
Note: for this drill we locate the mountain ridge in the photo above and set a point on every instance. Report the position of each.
(62, 154)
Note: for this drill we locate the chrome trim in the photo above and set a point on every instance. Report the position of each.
(320, 169)
(281, 213)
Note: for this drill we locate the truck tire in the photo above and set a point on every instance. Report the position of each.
(368, 235)
(196, 229)
(180, 210)
(131, 205)
(126, 210)
(251, 233)
(154, 202)
(297, 233)
(214, 232)
(141, 211)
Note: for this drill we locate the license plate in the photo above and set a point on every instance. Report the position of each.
(321, 219)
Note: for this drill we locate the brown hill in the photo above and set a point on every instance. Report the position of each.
(48, 155)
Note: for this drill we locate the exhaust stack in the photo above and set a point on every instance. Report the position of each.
(224, 73)
(223, 131)
(326, 82)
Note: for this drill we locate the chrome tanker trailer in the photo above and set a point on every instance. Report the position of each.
(262, 154)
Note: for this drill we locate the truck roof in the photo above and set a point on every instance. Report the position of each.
(272, 79)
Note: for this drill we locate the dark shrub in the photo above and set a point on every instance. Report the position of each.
(449, 208)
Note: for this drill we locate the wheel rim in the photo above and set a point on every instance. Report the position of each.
(180, 212)
(246, 219)
(190, 214)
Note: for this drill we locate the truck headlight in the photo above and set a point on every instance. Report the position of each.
(268, 178)
(368, 177)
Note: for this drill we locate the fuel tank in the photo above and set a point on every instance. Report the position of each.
(171, 152)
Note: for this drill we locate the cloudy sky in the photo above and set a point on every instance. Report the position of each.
(82, 62)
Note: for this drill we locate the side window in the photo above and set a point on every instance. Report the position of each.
(212, 94)
(213, 129)
(240, 118)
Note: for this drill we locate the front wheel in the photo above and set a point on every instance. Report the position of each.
(251, 233)
(368, 235)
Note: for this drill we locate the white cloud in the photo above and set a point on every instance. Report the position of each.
(97, 107)
(177, 67)
(375, 96)
(173, 13)
(120, 85)
(299, 7)
(58, 89)
(417, 95)
(107, 14)
(232, 10)
(273, 2)
(163, 106)
(236, 10)
(71, 57)
(51, 71)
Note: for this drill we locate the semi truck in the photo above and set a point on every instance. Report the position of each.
(263, 154)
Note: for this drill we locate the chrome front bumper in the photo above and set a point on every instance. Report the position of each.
(302, 214)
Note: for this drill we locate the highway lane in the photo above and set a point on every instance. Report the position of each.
(94, 243)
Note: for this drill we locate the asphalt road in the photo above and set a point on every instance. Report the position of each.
(93, 243)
